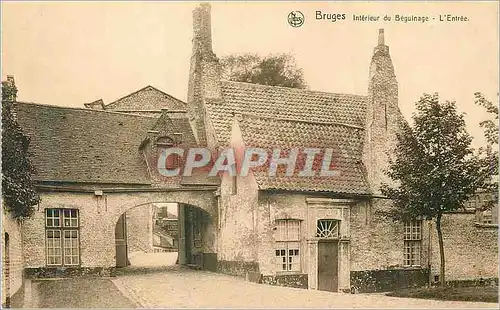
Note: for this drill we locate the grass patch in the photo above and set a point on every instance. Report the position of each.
(479, 293)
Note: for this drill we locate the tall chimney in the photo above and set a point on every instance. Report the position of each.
(383, 116)
(204, 76)
(381, 37)
(202, 27)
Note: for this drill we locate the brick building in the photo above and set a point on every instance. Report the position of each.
(95, 165)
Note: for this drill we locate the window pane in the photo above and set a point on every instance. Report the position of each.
(53, 247)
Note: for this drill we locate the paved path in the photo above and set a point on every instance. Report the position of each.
(178, 287)
(87, 292)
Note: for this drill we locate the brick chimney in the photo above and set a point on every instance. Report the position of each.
(204, 76)
(383, 117)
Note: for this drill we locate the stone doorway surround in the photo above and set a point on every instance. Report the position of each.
(334, 209)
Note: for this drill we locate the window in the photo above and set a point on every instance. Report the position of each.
(412, 243)
(62, 237)
(173, 160)
(327, 229)
(288, 245)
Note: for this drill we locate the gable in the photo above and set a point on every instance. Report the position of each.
(147, 98)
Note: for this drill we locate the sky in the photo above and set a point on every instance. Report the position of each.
(70, 53)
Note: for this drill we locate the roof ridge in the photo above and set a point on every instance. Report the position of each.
(250, 115)
(293, 89)
(139, 90)
(82, 109)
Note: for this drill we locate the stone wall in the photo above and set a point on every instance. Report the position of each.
(12, 261)
(237, 244)
(471, 250)
(140, 229)
(378, 242)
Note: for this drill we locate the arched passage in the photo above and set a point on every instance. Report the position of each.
(145, 236)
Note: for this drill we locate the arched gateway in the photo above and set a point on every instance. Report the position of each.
(80, 226)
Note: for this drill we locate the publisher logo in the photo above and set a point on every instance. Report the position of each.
(296, 18)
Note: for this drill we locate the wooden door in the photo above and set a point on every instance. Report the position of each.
(121, 242)
(328, 266)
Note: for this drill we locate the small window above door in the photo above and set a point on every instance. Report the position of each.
(328, 229)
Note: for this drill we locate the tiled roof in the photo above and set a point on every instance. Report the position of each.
(346, 142)
(283, 103)
(147, 98)
(82, 145)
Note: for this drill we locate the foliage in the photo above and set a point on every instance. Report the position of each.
(18, 188)
(435, 164)
(273, 70)
(490, 127)
(435, 168)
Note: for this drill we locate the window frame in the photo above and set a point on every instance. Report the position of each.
(290, 241)
(412, 243)
(336, 224)
(60, 259)
(173, 161)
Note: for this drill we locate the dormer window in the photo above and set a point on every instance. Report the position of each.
(164, 142)
(173, 160)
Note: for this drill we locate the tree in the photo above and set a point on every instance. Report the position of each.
(435, 169)
(18, 188)
(273, 70)
(490, 127)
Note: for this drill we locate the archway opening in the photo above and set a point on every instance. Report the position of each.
(164, 234)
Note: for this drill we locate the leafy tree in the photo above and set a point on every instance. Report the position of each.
(490, 127)
(273, 70)
(435, 168)
(18, 189)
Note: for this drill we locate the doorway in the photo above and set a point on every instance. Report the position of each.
(328, 265)
(121, 241)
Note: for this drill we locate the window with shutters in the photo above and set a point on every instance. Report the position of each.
(288, 245)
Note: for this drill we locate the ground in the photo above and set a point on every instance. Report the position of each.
(480, 293)
(178, 287)
(150, 283)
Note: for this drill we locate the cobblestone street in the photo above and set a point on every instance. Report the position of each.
(178, 287)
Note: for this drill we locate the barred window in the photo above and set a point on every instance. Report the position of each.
(412, 243)
(288, 245)
(62, 237)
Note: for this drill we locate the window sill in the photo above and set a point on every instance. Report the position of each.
(287, 273)
(484, 225)
(412, 267)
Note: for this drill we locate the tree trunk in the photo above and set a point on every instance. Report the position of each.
(442, 281)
